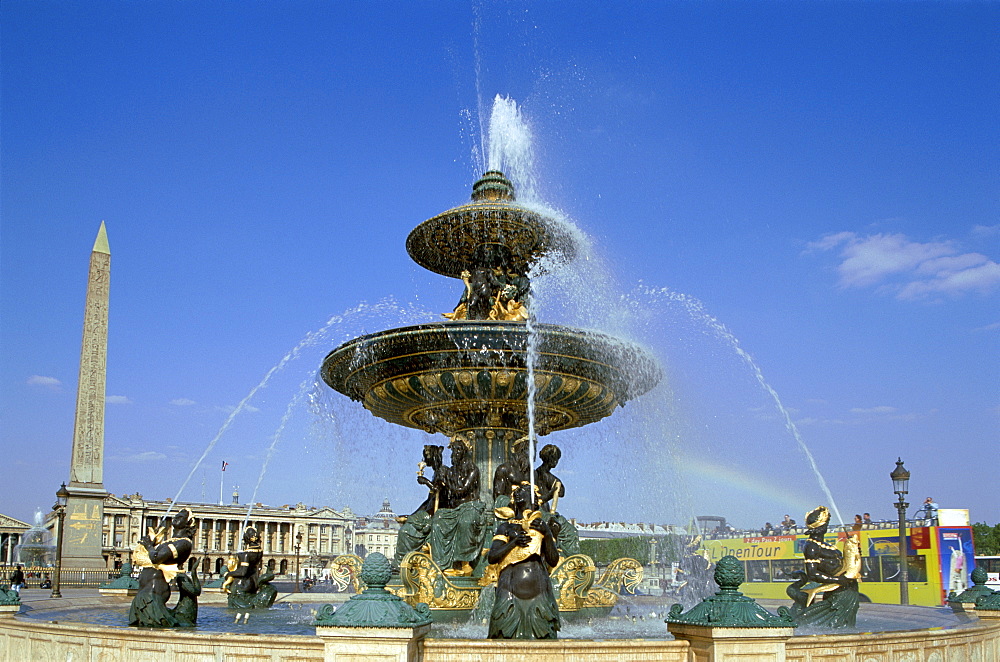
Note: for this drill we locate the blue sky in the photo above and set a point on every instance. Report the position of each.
(807, 190)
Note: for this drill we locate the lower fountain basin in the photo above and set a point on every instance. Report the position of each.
(452, 376)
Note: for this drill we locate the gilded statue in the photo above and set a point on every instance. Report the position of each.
(161, 555)
(492, 294)
(524, 553)
(830, 573)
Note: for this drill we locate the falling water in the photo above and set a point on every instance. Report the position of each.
(305, 387)
(697, 311)
(510, 147)
(510, 150)
(531, 359)
(313, 338)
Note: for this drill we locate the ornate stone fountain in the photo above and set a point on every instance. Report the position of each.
(467, 377)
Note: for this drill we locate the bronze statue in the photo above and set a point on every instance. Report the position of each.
(830, 573)
(695, 573)
(513, 472)
(161, 559)
(186, 609)
(456, 527)
(550, 490)
(524, 551)
(492, 294)
(248, 588)
(417, 526)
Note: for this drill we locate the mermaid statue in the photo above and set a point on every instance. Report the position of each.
(830, 574)
(162, 554)
(248, 587)
(524, 553)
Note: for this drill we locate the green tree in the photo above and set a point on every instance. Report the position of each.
(986, 538)
(604, 551)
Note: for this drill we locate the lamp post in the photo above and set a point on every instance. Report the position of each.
(298, 546)
(900, 480)
(62, 496)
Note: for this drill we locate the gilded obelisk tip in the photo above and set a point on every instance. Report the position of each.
(101, 244)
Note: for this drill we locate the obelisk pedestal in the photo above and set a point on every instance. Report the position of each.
(83, 531)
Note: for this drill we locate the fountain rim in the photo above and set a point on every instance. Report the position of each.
(638, 383)
(550, 238)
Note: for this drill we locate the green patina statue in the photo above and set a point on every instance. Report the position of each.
(524, 553)
(161, 554)
(416, 527)
(978, 589)
(729, 608)
(247, 586)
(550, 490)
(456, 534)
(830, 573)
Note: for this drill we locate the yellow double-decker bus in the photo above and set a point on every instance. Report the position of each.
(939, 560)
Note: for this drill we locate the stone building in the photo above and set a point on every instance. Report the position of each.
(325, 533)
(377, 534)
(11, 531)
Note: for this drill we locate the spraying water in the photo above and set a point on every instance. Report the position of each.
(584, 292)
(319, 337)
(696, 309)
(304, 389)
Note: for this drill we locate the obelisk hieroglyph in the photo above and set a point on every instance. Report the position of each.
(85, 507)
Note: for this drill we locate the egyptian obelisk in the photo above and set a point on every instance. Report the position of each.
(85, 506)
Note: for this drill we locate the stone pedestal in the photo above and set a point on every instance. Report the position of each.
(83, 528)
(7, 611)
(343, 644)
(718, 644)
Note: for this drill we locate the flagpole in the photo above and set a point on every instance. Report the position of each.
(222, 478)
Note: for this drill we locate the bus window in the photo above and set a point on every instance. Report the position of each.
(782, 569)
(871, 571)
(916, 568)
(757, 571)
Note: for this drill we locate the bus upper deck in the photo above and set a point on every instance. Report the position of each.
(939, 559)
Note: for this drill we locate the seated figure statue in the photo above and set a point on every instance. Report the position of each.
(250, 588)
(416, 527)
(511, 473)
(550, 490)
(456, 536)
(524, 551)
(161, 559)
(829, 573)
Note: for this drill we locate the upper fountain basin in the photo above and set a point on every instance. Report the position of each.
(491, 231)
(453, 376)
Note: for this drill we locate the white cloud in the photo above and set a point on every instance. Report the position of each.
(989, 327)
(250, 409)
(985, 231)
(50, 383)
(182, 402)
(911, 270)
(117, 400)
(874, 410)
(145, 456)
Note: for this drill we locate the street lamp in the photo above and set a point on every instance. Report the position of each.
(62, 496)
(298, 546)
(900, 481)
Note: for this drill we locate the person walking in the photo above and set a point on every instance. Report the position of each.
(17, 580)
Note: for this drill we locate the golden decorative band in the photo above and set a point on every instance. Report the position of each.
(817, 517)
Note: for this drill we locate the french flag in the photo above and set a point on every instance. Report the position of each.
(224, 465)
